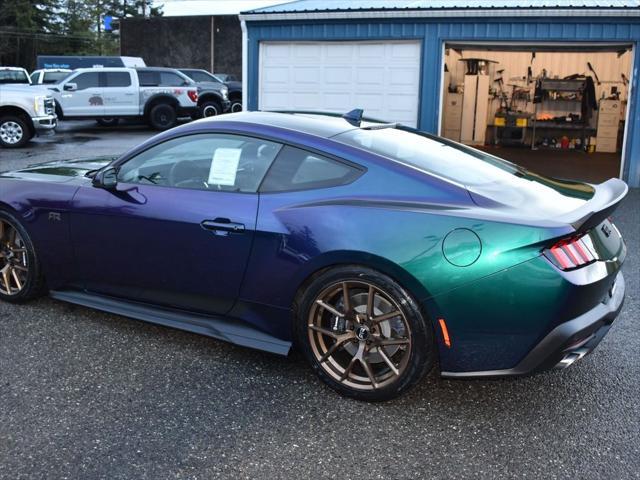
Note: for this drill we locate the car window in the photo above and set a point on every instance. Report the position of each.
(87, 80)
(117, 79)
(171, 79)
(480, 172)
(217, 162)
(297, 169)
(149, 79)
(14, 76)
(54, 77)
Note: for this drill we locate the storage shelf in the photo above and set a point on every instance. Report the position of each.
(562, 126)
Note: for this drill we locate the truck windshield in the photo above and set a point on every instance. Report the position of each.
(54, 77)
(13, 76)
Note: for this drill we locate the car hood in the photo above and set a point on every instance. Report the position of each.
(24, 88)
(60, 171)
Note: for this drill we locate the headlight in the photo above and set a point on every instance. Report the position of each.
(225, 92)
(38, 104)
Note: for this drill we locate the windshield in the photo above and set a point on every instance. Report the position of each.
(14, 76)
(200, 76)
(54, 77)
(478, 171)
(223, 77)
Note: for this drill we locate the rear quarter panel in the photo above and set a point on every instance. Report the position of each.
(389, 220)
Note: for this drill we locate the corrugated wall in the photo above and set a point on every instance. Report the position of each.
(434, 33)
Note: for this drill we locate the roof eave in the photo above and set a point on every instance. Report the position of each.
(441, 13)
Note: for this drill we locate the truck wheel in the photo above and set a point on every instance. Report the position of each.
(108, 121)
(211, 108)
(14, 132)
(162, 116)
(236, 105)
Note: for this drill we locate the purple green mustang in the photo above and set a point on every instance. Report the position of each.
(379, 251)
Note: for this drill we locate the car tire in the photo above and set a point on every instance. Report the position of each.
(211, 108)
(363, 354)
(236, 105)
(21, 276)
(14, 132)
(108, 121)
(162, 116)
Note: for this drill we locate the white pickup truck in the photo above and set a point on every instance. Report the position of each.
(159, 95)
(24, 112)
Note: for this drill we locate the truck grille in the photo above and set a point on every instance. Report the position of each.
(49, 106)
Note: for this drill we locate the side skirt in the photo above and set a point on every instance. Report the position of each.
(232, 331)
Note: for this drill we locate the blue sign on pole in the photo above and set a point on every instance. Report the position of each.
(107, 22)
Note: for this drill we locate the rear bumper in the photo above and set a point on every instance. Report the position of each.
(566, 343)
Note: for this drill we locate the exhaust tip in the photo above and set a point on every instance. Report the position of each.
(571, 357)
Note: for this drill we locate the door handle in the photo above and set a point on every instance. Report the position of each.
(222, 225)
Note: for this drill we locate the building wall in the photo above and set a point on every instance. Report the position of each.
(183, 42)
(435, 32)
(227, 45)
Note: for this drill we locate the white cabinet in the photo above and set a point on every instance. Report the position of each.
(608, 122)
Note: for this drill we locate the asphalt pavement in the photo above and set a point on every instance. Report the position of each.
(87, 395)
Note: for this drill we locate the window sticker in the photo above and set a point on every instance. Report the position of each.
(224, 166)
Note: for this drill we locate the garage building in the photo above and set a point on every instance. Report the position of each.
(545, 83)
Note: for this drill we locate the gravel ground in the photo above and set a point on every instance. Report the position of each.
(85, 394)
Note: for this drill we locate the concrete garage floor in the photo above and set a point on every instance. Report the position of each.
(87, 395)
(568, 164)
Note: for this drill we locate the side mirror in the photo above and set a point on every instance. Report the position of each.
(106, 178)
(70, 87)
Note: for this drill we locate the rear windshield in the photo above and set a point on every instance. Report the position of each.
(478, 171)
(13, 76)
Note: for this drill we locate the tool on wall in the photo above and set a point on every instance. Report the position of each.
(625, 80)
(595, 75)
(501, 94)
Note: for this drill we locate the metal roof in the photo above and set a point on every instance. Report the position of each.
(302, 6)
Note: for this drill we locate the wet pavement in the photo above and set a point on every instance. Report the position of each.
(76, 139)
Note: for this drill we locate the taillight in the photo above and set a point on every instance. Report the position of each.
(570, 253)
(193, 95)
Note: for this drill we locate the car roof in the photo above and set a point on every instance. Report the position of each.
(318, 124)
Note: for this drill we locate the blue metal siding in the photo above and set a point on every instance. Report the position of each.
(435, 32)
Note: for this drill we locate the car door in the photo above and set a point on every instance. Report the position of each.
(119, 94)
(178, 228)
(85, 100)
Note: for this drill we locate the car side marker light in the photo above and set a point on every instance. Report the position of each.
(445, 332)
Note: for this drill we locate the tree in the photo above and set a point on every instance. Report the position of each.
(62, 27)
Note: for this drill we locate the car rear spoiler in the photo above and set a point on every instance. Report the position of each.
(605, 200)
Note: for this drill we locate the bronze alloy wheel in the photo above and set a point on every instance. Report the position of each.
(359, 335)
(14, 266)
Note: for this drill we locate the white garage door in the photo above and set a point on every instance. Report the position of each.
(383, 78)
